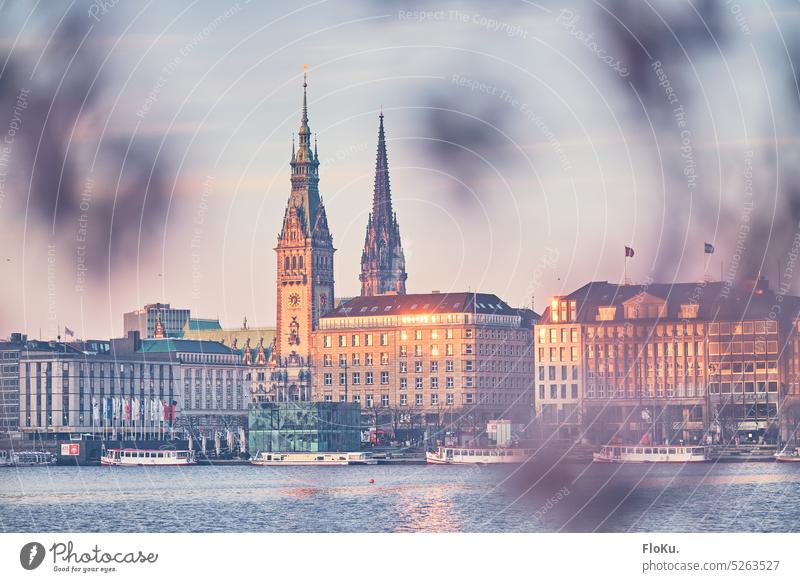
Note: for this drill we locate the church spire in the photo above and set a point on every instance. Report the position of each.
(383, 265)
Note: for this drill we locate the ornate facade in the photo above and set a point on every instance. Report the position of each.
(383, 265)
(305, 271)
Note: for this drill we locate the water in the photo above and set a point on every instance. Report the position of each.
(698, 497)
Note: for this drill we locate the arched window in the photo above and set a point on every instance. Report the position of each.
(300, 262)
(286, 263)
(294, 262)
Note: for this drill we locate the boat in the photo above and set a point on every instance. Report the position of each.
(147, 458)
(5, 461)
(475, 456)
(277, 459)
(32, 458)
(651, 454)
(787, 456)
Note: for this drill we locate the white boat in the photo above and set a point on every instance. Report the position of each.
(277, 459)
(5, 461)
(32, 458)
(787, 456)
(650, 454)
(473, 456)
(146, 457)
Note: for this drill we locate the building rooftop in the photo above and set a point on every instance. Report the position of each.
(197, 324)
(423, 303)
(195, 346)
(715, 300)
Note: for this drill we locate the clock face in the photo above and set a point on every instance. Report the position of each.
(294, 300)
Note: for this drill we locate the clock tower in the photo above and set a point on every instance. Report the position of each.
(305, 269)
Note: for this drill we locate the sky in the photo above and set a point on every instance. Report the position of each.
(144, 147)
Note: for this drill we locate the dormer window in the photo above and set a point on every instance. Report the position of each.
(606, 313)
(689, 311)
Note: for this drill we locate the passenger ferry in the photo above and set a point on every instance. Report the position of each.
(146, 457)
(651, 454)
(470, 456)
(278, 459)
(32, 458)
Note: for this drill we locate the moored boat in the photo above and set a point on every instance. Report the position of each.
(476, 456)
(147, 457)
(278, 459)
(32, 458)
(5, 461)
(650, 454)
(788, 456)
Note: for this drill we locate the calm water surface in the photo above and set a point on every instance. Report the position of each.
(698, 497)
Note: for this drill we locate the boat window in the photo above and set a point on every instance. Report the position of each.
(671, 451)
(616, 450)
(698, 451)
(638, 451)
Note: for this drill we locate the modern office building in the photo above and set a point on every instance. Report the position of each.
(144, 320)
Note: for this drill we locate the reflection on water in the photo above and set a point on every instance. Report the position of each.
(698, 497)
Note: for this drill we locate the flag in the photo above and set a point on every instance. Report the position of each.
(127, 409)
(628, 252)
(95, 411)
(68, 332)
(708, 248)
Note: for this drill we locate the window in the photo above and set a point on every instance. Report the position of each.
(418, 383)
(434, 399)
(356, 340)
(563, 391)
(368, 339)
(367, 359)
(355, 360)
(403, 335)
(449, 399)
(403, 383)
(342, 360)
(342, 341)
(448, 349)
(467, 349)
(434, 334)
(403, 367)
(434, 366)
(469, 398)
(418, 350)
(403, 400)
(469, 365)
(448, 334)
(384, 358)
(417, 334)
(342, 379)
(327, 379)
(356, 397)
(418, 400)
(434, 350)
(368, 380)
(434, 382)
(369, 401)
(574, 391)
(468, 333)
(448, 366)
(384, 400)
(327, 341)
(553, 391)
(356, 378)
(541, 391)
(551, 372)
(449, 382)
(327, 361)
(403, 351)
(384, 377)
